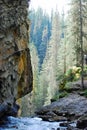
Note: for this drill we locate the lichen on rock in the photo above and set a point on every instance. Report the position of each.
(15, 65)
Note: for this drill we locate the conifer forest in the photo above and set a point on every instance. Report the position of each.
(58, 47)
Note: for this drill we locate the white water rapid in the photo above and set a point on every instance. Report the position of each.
(26, 123)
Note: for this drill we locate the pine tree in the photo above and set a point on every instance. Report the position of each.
(40, 24)
(43, 45)
(49, 67)
(75, 19)
(78, 15)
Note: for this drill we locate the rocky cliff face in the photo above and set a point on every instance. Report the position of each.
(15, 64)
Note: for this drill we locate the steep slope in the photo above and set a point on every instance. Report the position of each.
(15, 64)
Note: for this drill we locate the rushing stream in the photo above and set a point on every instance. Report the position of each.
(26, 123)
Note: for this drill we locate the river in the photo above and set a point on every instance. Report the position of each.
(26, 123)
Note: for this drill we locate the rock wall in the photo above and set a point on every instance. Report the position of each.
(15, 65)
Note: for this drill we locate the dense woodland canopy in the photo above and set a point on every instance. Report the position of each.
(58, 45)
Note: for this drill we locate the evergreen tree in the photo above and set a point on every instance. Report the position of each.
(78, 12)
(78, 15)
(40, 24)
(43, 45)
(49, 67)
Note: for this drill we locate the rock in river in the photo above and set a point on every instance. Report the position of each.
(70, 108)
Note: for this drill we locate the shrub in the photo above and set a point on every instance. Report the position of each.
(63, 94)
(59, 95)
(73, 74)
(68, 87)
(85, 93)
(62, 82)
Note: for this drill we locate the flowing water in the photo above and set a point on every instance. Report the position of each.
(25, 123)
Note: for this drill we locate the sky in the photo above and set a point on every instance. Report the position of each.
(48, 5)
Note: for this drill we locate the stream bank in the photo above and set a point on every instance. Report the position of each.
(67, 113)
(72, 109)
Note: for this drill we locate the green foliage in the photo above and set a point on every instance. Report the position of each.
(85, 71)
(85, 93)
(62, 82)
(63, 94)
(68, 86)
(73, 74)
(59, 95)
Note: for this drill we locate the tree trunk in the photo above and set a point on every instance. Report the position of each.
(81, 42)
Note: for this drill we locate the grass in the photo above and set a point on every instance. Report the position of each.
(63, 94)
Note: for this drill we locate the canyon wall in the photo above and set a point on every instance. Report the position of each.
(15, 62)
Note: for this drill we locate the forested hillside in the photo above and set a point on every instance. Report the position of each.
(40, 32)
(58, 51)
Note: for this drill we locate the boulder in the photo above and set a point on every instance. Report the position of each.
(70, 109)
(82, 122)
